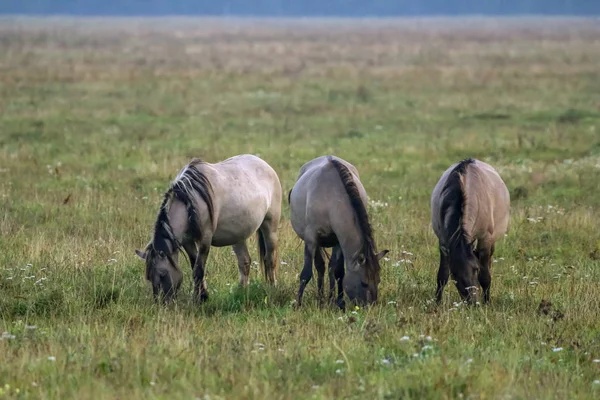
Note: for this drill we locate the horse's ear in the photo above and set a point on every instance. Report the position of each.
(381, 254)
(140, 254)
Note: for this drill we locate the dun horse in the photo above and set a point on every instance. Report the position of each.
(329, 209)
(206, 205)
(469, 213)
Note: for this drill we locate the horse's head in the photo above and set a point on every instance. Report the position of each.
(162, 268)
(465, 270)
(361, 280)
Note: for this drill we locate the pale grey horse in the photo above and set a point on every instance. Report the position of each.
(220, 204)
(329, 209)
(469, 213)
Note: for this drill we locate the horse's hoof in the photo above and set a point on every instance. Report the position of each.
(203, 297)
(341, 304)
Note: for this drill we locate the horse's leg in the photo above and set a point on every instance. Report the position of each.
(243, 256)
(200, 289)
(189, 245)
(485, 253)
(306, 274)
(442, 277)
(320, 267)
(339, 277)
(331, 270)
(268, 248)
(336, 266)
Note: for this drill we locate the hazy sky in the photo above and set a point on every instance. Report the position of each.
(350, 8)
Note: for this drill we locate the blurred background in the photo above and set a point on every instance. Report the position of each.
(349, 8)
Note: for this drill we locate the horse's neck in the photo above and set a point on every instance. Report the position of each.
(178, 219)
(351, 243)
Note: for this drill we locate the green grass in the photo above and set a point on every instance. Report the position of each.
(97, 116)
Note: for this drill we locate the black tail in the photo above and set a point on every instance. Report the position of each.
(361, 214)
(453, 206)
(262, 252)
(262, 248)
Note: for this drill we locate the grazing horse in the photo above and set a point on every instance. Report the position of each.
(469, 213)
(220, 204)
(329, 209)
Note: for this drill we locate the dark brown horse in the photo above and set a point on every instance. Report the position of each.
(469, 214)
(329, 209)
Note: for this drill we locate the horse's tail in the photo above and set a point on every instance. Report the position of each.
(262, 247)
(453, 205)
(361, 213)
(262, 253)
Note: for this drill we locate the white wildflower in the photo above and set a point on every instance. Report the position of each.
(51, 358)
(557, 349)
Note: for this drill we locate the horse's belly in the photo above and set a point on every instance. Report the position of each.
(236, 227)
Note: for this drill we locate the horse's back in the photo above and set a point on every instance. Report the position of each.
(318, 200)
(246, 189)
(488, 202)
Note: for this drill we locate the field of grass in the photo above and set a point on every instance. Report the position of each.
(97, 116)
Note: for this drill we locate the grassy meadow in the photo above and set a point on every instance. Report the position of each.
(98, 115)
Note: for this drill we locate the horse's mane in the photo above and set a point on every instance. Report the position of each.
(189, 181)
(453, 207)
(368, 246)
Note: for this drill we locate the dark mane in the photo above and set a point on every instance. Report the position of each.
(368, 247)
(189, 181)
(452, 209)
